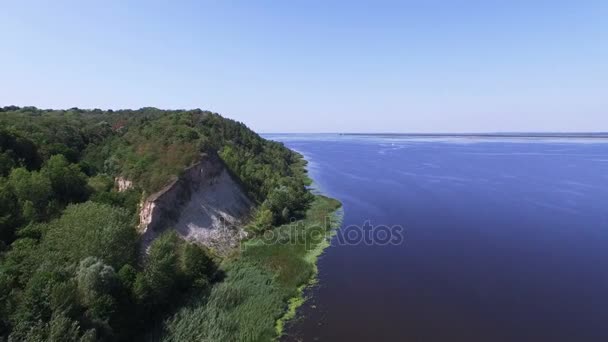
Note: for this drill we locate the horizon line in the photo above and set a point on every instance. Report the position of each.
(489, 133)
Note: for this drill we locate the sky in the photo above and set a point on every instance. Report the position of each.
(318, 66)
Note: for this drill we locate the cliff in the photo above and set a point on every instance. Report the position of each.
(204, 204)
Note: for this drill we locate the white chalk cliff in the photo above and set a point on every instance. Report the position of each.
(205, 204)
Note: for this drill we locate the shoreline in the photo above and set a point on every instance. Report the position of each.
(313, 257)
(264, 284)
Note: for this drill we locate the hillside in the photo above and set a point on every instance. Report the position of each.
(206, 204)
(74, 188)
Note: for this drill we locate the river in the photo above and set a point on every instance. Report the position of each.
(502, 239)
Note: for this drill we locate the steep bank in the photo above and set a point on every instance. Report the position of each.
(205, 204)
(263, 286)
(80, 174)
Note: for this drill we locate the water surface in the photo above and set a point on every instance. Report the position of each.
(505, 240)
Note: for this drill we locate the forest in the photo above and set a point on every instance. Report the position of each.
(69, 263)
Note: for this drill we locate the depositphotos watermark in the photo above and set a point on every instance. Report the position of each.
(311, 235)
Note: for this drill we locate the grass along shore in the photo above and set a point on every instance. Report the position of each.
(263, 284)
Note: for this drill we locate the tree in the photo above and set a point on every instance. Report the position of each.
(93, 229)
(69, 184)
(96, 283)
(161, 275)
(6, 164)
(94, 278)
(33, 190)
(9, 212)
(62, 328)
(263, 220)
(195, 265)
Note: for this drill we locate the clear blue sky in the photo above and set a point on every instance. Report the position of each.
(318, 66)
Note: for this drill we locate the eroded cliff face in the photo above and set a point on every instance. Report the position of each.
(205, 205)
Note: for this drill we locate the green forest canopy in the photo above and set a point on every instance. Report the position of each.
(68, 246)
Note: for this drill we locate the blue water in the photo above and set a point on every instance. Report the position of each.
(505, 240)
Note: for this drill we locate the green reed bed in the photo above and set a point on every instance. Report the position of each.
(263, 285)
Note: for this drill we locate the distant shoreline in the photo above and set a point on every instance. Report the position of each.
(485, 135)
(596, 135)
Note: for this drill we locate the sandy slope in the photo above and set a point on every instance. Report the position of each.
(205, 205)
(214, 215)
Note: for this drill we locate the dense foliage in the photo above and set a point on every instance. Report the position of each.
(250, 303)
(69, 265)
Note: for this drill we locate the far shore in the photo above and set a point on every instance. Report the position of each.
(600, 135)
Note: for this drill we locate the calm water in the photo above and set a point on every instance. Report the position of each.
(504, 240)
